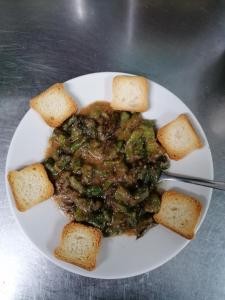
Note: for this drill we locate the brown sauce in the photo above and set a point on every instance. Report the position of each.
(101, 105)
(104, 174)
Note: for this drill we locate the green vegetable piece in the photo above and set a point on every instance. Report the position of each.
(49, 165)
(145, 222)
(83, 204)
(56, 154)
(152, 147)
(76, 145)
(118, 218)
(76, 166)
(107, 184)
(134, 121)
(93, 191)
(117, 207)
(119, 145)
(89, 128)
(154, 174)
(107, 215)
(132, 218)
(50, 161)
(100, 174)
(61, 140)
(76, 185)
(149, 123)
(98, 220)
(69, 122)
(153, 203)
(76, 134)
(141, 194)
(136, 134)
(131, 124)
(80, 215)
(51, 169)
(124, 117)
(63, 162)
(112, 165)
(149, 174)
(111, 231)
(125, 220)
(87, 173)
(163, 162)
(123, 196)
(135, 147)
(58, 137)
(95, 113)
(142, 173)
(148, 132)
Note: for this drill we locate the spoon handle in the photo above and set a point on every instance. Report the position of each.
(219, 185)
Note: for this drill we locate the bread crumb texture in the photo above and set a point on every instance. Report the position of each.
(30, 186)
(54, 105)
(130, 93)
(79, 245)
(179, 212)
(179, 138)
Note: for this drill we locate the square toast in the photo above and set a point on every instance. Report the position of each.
(54, 105)
(130, 93)
(179, 138)
(79, 245)
(179, 212)
(30, 186)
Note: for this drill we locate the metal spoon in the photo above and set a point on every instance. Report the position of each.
(194, 180)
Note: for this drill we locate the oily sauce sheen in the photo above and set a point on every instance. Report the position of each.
(105, 165)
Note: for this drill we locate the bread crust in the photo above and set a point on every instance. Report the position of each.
(13, 177)
(167, 137)
(90, 263)
(121, 101)
(70, 107)
(196, 208)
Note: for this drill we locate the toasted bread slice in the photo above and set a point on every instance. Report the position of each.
(30, 186)
(179, 212)
(130, 93)
(54, 105)
(79, 245)
(179, 138)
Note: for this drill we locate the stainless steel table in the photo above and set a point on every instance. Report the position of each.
(179, 44)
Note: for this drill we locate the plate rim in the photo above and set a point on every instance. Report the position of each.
(78, 271)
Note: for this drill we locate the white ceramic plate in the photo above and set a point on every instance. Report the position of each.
(122, 256)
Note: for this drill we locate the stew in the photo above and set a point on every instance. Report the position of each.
(105, 166)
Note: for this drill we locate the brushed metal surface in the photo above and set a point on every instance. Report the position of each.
(180, 45)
